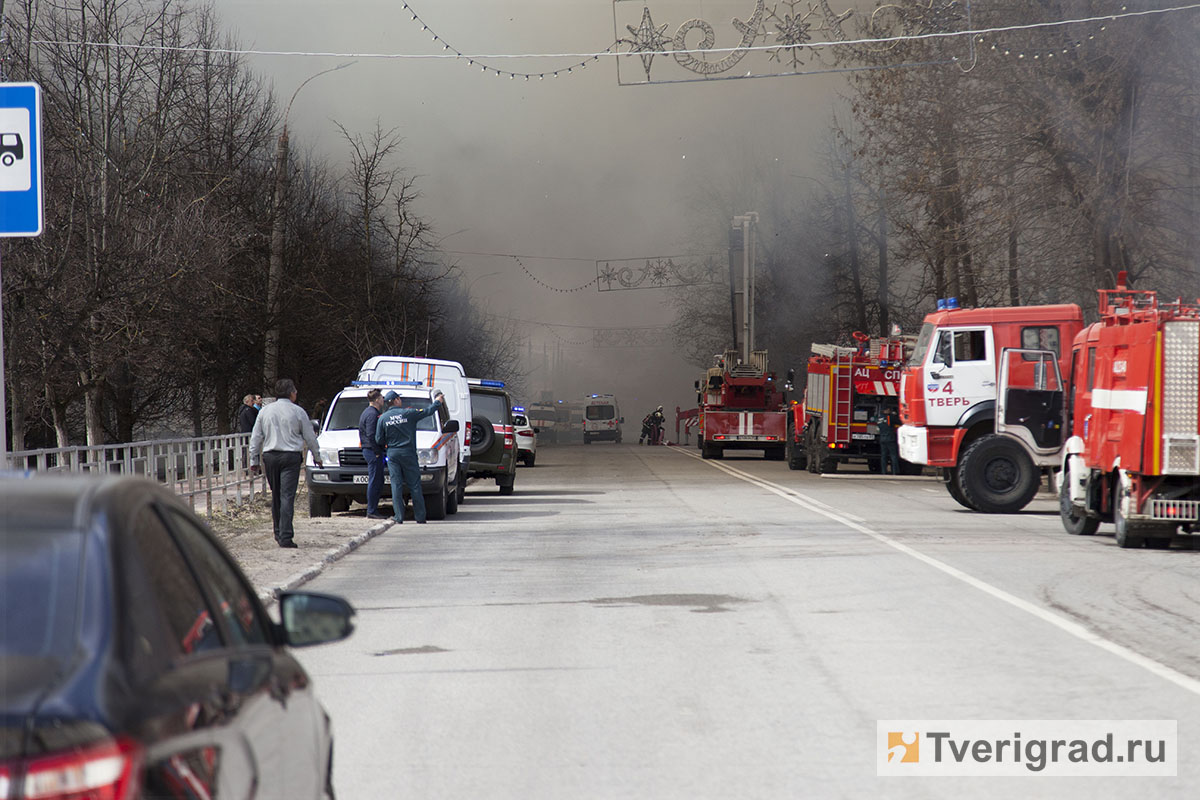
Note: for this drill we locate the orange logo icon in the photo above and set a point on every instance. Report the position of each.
(903, 747)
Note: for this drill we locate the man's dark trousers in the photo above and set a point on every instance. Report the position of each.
(374, 479)
(890, 455)
(282, 468)
(405, 471)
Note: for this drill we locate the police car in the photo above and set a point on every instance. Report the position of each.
(526, 436)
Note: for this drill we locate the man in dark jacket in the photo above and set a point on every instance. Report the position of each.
(396, 431)
(372, 452)
(889, 447)
(248, 413)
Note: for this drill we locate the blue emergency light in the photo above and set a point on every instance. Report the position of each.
(519, 409)
(492, 384)
(387, 383)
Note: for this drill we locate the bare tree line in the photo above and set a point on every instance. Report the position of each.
(141, 310)
(1018, 168)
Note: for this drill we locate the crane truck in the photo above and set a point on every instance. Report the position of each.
(742, 407)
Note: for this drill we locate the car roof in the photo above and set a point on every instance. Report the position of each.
(67, 502)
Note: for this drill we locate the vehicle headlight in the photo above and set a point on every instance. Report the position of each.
(329, 456)
(426, 457)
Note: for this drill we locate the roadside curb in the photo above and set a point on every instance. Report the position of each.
(271, 594)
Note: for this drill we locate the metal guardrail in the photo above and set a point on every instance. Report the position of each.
(213, 468)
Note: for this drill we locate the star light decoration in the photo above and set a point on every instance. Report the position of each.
(647, 40)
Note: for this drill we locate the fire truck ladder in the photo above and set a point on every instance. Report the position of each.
(843, 396)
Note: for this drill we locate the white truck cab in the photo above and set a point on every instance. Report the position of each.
(343, 477)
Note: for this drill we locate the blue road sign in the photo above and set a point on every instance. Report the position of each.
(20, 159)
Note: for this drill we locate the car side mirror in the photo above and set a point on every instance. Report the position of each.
(451, 426)
(316, 423)
(621, 421)
(537, 430)
(313, 618)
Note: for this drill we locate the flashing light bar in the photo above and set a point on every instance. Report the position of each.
(386, 383)
(488, 383)
(519, 409)
(948, 304)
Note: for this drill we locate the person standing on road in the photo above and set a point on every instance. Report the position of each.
(372, 452)
(397, 432)
(281, 432)
(889, 447)
(248, 413)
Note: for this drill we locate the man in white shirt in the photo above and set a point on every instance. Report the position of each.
(281, 432)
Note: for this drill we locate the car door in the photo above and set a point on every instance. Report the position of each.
(960, 372)
(279, 712)
(176, 670)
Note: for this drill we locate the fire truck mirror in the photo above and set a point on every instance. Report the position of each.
(791, 376)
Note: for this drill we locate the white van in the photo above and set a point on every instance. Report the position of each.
(602, 419)
(448, 376)
(343, 477)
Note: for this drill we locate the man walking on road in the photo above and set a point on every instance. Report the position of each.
(397, 432)
(372, 452)
(281, 431)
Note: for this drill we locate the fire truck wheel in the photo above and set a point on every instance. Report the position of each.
(795, 455)
(1125, 532)
(1074, 522)
(952, 486)
(997, 476)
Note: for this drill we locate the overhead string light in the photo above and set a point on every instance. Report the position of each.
(502, 73)
(544, 285)
(1042, 53)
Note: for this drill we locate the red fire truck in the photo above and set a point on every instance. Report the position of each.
(948, 400)
(848, 391)
(1133, 420)
(742, 407)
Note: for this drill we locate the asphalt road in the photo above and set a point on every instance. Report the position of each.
(636, 622)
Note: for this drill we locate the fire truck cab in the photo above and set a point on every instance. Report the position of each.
(948, 400)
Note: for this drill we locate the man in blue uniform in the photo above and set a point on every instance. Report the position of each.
(396, 431)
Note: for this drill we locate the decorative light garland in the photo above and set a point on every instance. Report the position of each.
(544, 285)
(500, 73)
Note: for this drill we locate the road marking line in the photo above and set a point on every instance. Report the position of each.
(1062, 623)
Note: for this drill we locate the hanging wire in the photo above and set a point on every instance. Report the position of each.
(545, 285)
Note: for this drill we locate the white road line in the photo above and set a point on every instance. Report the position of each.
(1062, 623)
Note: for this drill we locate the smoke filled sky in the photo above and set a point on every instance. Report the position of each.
(574, 167)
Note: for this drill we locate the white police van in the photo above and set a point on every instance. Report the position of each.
(343, 478)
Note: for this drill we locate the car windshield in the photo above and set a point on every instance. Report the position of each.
(601, 412)
(520, 420)
(39, 584)
(347, 410)
(491, 406)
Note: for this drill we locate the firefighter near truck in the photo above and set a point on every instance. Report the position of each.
(848, 391)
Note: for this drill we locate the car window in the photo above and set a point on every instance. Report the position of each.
(1039, 338)
(491, 406)
(169, 593)
(229, 592)
(39, 584)
(519, 419)
(969, 346)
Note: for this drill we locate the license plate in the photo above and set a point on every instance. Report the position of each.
(862, 436)
(363, 478)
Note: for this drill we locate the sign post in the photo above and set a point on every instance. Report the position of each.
(20, 192)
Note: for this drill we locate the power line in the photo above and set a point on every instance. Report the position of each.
(518, 255)
(609, 51)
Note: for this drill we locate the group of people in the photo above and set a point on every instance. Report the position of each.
(281, 431)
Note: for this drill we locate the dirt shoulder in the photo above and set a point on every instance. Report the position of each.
(246, 532)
